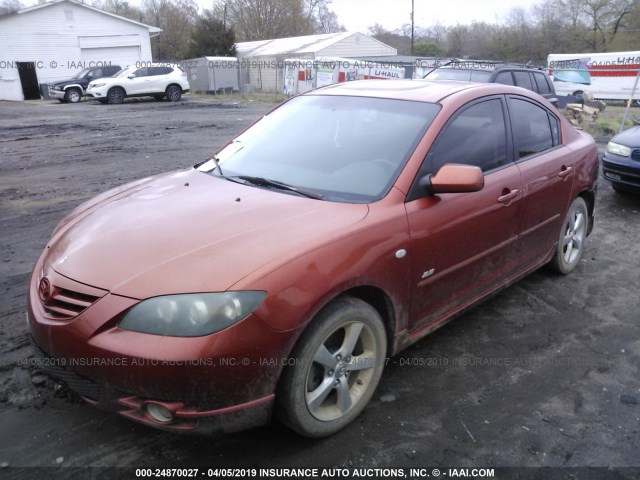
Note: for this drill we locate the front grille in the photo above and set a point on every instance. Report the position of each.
(81, 385)
(636, 155)
(63, 299)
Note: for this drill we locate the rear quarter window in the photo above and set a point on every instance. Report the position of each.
(534, 128)
(524, 80)
(542, 83)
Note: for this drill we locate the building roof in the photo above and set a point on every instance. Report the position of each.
(79, 4)
(294, 45)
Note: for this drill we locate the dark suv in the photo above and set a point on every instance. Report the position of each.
(72, 90)
(531, 78)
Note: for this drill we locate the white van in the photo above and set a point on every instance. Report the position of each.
(608, 76)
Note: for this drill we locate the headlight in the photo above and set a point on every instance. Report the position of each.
(618, 149)
(96, 85)
(57, 87)
(191, 315)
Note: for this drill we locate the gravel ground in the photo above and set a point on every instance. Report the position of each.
(543, 374)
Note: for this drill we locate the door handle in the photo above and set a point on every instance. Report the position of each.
(565, 172)
(510, 195)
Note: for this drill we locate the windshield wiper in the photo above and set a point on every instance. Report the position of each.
(266, 182)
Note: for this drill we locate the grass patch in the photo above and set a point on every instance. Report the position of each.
(608, 122)
(243, 98)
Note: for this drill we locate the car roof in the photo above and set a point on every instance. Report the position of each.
(432, 91)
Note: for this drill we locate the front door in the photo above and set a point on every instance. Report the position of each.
(463, 243)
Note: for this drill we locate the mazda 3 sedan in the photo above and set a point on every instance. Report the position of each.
(274, 278)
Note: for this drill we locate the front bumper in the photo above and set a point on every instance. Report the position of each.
(183, 419)
(621, 170)
(59, 94)
(219, 383)
(99, 92)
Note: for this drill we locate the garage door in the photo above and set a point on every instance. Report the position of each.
(122, 56)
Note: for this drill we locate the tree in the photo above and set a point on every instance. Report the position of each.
(176, 18)
(120, 7)
(210, 38)
(424, 48)
(10, 6)
(327, 21)
(268, 19)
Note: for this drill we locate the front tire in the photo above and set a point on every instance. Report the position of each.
(173, 93)
(72, 95)
(339, 362)
(116, 95)
(573, 235)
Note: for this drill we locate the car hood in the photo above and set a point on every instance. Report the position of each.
(629, 138)
(190, 232)
(71, 81)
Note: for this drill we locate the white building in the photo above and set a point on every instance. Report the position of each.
(262, 61)
(55, 40)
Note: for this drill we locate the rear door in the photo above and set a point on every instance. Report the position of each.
(547, 173)
(462, 244)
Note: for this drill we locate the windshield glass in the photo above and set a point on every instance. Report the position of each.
(125, 71)
(346, 149)
(81, 73)
(464, 74)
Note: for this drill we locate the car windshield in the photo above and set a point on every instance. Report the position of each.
(81, 73)
(125, 71)
(464, 74)
(344, 149)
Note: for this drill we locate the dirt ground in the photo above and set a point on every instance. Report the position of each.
(544, 374)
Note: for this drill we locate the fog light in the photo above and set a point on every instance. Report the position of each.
(158, 413)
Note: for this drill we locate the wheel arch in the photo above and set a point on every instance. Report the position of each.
(589, 198)
(117, 86)
(375, 296)
(174, 85)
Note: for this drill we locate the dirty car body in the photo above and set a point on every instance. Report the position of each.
(276, 277)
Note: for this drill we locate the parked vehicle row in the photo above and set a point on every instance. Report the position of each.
(112, 84)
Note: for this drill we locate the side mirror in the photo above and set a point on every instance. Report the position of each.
(454, 178)
(131, 75)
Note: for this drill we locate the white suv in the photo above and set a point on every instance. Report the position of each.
(155, 80)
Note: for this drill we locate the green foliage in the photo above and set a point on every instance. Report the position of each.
(210, 38)
(424, 48)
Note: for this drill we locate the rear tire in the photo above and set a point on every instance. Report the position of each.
(573, 235)
(339, 362)
(174, 93)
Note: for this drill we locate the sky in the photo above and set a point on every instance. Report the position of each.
(359, 15)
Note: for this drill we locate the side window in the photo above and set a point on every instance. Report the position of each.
(504, 78)
(543, 84)
(164, 70)
(532, 132)
(141, 72)
(523, 80)
(97, 73)
(476, 136)
(555, 129)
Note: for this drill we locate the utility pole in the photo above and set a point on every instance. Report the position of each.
(224, 21)
(412, 24)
